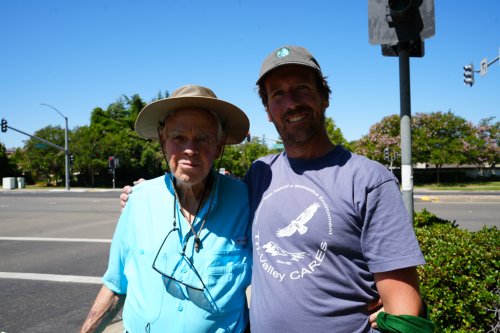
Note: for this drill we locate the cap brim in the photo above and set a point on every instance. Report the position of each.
(235, 120)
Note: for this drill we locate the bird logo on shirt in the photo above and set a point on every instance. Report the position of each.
(299, 224)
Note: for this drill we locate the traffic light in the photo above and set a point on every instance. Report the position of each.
(386, 153)
(405, 22)
(469, 74)
(71, 159)
(111, 162)
(4, 125)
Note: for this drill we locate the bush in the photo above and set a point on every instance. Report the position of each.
(459, 283)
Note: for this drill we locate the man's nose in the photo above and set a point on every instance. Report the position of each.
(191, 147)
(292, 100)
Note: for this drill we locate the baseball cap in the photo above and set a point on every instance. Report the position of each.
(234, 120)
(288, 55)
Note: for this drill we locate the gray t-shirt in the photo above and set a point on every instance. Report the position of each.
(320, 229)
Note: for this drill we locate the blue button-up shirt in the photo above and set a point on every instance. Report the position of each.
(223, 263)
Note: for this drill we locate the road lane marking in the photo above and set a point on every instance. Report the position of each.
(49, 239)
(429, 198)
(51, 277)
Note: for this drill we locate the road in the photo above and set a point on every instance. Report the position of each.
(54, 248)
(471, 211)
(45, 238)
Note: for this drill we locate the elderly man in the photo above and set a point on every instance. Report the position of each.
(180, 257)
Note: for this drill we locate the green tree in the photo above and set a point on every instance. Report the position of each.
(237, 159)
(440, 138)
(111, 133)
(335, 133)
(7, 167)
(43, 162)
(89, 159)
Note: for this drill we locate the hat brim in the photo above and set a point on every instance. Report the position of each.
(235, 120)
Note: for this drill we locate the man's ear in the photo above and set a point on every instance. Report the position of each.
(325, 103)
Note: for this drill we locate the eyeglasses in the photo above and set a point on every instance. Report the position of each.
(177, 279)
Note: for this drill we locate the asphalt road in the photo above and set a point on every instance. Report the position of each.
(46, 238)
(54, 248)
(471, 211)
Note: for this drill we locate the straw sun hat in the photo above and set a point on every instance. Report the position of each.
(234, 119)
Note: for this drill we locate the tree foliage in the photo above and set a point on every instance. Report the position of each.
(7, 166)
(44, 162)
(384, 134)
(335, 133)
(238, 158)
(441, 138)
(438, 138)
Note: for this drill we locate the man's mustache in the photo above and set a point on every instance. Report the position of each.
(297, 110)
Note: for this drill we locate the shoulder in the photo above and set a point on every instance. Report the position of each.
(265, 162)
(229, 184)
(369, 171)
(268, 159)
(148, 187)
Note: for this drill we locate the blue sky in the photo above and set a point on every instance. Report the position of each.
(78, 55)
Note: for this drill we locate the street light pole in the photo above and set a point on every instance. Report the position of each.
(66, 151)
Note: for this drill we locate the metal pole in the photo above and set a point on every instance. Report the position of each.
(405, 116)
(66, 151)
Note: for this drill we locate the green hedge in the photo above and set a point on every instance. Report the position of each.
(460, 282)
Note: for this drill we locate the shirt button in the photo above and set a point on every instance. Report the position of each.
(180, 308)
(184, 270)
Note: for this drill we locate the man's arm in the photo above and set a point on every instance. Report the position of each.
(106, 305)
(399, 291)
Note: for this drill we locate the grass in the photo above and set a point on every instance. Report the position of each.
(479, 186)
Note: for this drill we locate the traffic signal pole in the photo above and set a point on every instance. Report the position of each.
(65, 149)
(35, 137)
(400, 27)
(405, 123)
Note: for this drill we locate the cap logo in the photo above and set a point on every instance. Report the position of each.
(283, 52)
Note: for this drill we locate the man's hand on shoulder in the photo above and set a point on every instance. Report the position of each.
(126, 191)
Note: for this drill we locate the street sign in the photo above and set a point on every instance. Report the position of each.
(484, 67)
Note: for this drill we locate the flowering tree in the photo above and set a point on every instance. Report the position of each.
(438, 138)
(483, 149)
(384, 134)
